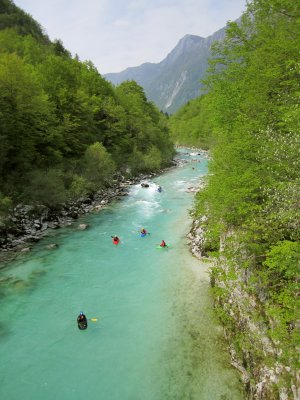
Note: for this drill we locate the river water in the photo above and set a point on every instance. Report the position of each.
(155, 337)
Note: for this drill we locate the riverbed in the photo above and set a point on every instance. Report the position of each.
(155, 337)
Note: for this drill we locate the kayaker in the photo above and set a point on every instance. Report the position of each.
(82, 321)
(115, 239)
(163, 244)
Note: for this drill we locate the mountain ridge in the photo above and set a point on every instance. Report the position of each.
(177, 78)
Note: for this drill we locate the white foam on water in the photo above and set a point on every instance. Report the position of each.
(155, 337)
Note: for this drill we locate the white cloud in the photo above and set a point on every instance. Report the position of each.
(116, 34)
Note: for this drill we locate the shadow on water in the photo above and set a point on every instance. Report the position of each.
(5, 332)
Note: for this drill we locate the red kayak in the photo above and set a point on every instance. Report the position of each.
(116, 241)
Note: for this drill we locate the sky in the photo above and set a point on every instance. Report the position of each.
(116, 34)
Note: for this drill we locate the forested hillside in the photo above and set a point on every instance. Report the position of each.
(12, 16)
(191, 126)
(64, 129)
(251, 201)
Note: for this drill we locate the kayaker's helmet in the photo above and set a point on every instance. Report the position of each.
(81, 313)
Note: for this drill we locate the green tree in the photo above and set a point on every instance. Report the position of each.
(12, 16)
(191, 124)
(26, 117)
(46, 187)
(53, 108)
(99, 166)
(153, 159)
(252, 195)
(281, 276)
(146, 127)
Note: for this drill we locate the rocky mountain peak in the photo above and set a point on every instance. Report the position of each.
(177, 78)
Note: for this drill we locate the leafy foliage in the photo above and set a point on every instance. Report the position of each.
(146, 127)
(59, 118)
(281, 275)
(46, 187)
(191, 126)
(99, 166)
(12, 16)
(252, 195)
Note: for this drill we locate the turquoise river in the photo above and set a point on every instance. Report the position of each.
(155, 338)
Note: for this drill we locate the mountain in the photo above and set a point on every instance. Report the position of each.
(176, 79)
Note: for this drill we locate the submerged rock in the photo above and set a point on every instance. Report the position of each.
(52, 246)
(82, 226)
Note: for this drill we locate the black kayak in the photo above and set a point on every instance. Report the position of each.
(82, 324)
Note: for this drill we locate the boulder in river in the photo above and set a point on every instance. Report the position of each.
(52, 246)
(25, 250)
(82, 227)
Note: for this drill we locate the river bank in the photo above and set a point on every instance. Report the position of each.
(28, 224)
(156, 337)
(246, 330)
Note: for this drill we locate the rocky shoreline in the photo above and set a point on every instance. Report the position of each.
(28, 224)
(252, 353)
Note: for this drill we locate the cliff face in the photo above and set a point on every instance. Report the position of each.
(176, 79)
(246, 327)
(252, 351)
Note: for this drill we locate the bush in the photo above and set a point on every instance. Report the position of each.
(46, 187)
(5, 207)
(99, 166)
(79, 187)
(136, 161)
(153, 159)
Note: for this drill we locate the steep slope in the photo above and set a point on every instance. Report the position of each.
(57, 113)
(12, 16)
(176, 79)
